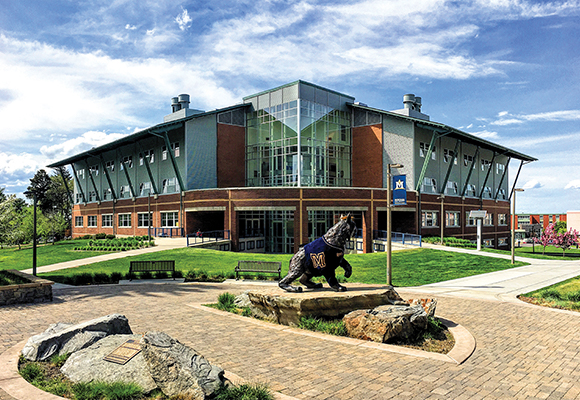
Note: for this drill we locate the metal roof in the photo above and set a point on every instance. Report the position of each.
(452, 132)
(134, 137)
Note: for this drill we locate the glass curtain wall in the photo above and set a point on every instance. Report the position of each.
(272, 142)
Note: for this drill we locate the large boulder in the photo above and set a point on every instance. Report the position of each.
(88, 365)
(386, 323)
(176, 368)
(63, 338)
(287, 308)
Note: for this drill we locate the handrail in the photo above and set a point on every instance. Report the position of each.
(403, 238)
(207, 236)
(167, 232)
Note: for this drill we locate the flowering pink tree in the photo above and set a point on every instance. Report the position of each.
(547, 237)
(566, 240)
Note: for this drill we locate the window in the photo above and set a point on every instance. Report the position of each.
(94, 170)
(125, 192)
(78, 198)
(424, 148)
(488, 220)
(145, 189)
(107, 221)
(81, 174)
(502, 219)
(79, 222)
(452, 188)
(488, 242)
(92, 195)
(499, 168)
(143, 220)
(501, 194)
(107, 194)
(127, 161)
(470, 221)
(467, 159)
(429, 185)
(147, 154)
(169, 219)
(110, 165)
(429, 218)
(92, 221)
(470, 191)
(170, 185)
(502, 241)
(452, 218)
(124, 220)
(447, 155)
(485, 164)
(174, 148)
(487, 192)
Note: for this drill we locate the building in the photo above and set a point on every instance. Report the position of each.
(532, 225)
(277, 170)
(573, 220)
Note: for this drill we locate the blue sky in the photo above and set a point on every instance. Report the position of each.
(78, 73)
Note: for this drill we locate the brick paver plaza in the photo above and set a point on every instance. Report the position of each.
(522, 352)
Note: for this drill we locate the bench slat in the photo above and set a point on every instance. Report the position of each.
(274, 267)
(152, 266)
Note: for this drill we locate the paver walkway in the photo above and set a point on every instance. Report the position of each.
(523, 351)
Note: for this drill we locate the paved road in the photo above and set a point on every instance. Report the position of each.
(523, 351)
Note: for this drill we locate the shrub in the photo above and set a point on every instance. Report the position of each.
(245, 391)
(116, 277)
(101, 236)
(573, 296)
(83, 279)
(87, 237)
(59, 361)
(226, 301)
(146, 275)
(161, 275)
(177, 274)
(332, 327)
(31, 372)
(110, 236)
(100, 277)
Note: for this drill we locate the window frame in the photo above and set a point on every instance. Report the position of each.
(434, 218)
(92, 221)
(77, 219)
(456, 219)
(174, 220)
(106, 220)
(123, 219)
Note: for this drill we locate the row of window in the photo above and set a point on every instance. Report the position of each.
(168, 220)
(467, 159)
(170, 185)
(128, 160)
(430, 219)
(430, 186)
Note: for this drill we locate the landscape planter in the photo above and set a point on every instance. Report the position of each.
(37, 291)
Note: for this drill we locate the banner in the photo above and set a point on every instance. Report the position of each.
(399, 190)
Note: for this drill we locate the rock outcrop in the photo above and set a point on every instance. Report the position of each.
(64, 338)
(176, 368)
(386, 323)
(288, 308)
(87, 365)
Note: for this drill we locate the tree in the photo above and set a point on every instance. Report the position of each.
(547, 237)
(40, 184)
(11, 218)
(2, 195)
(566, 240)
(560, 227)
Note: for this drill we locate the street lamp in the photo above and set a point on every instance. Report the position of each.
(514, 223)
(390, 203)
(33, 193)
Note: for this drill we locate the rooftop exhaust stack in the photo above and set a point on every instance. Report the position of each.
(412, 107)
(180, 108)
(175, 106)
(183, 100)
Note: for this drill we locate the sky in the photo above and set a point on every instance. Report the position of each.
(75, 74)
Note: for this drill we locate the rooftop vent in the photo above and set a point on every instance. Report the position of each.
(180, 102)
(411, 102)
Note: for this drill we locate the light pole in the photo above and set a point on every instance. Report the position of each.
(514, 223)
(442, 219)
(33, 193)
(390, 203)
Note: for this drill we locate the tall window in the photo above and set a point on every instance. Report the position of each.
(501, 194)
(424, 148)
(485, 164)
(94, 170)
(127, 161)
(502, 219)
(124, 220)
(107, 221)
(79, 221)
(487, 192)
(92, 195)
(107, 194)
(452, 218)
(470, 191)
(467, 160)
(174, 148)
(78, 198)
(147, 155)
(170, 185)
(488, 220)
(448, 155)
(429, 219)
(470, 220)
(125, 192)
(143, 220)
(429, 185)
(110, 165)
(169, 219)
(144, 188)
(451, 188)
(499, 168)
(81, 173)
(92, 221)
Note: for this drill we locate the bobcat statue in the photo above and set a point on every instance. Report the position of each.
(321, 258)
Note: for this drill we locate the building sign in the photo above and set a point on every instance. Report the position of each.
(399, 190)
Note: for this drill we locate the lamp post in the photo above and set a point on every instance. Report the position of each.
(390, 203)
(33, 193)
(514, 223)
(442, 219)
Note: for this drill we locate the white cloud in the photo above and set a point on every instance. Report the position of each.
(574, 184)
(130, 27)
(79, 144)
(486, 135)
(502, 113)
(16, 164)
(551, 116)
(532, 184)
(183, 20)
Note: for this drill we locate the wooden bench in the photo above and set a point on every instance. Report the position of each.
(152, 266)
(267, 267)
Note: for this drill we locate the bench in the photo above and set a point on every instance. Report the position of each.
(268, 267)
(151, 266)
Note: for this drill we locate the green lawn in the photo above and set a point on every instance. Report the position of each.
(564, 295)
(410, 267)
(552, 253)
(13, 258)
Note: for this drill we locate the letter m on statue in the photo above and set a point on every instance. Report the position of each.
(318, 260)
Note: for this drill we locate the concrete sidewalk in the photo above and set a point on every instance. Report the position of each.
(161, 244)
(503, 285)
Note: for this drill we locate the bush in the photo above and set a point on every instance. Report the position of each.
(160, 275)
(100, 278)
(101, 236)
(244, 392)
(332, 327)
(226, 301)
(83, 279)
(32, 372)
(87, 237)
(110, 236)
(177, 274)
(116, 277)
(146, 275)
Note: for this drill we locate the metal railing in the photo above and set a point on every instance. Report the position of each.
(208, 236)
(399, 237)
(167, 232)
